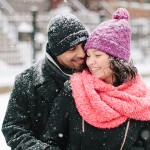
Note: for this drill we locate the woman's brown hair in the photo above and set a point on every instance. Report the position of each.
(122, 70)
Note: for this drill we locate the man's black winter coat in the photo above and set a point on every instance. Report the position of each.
(30, 104)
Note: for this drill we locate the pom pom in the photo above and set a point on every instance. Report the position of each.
(121, 13)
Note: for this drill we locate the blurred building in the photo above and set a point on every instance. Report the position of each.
(137, 8)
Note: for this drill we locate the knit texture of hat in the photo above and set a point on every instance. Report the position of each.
(64, 32)
(112, 37)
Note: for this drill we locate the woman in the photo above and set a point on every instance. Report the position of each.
(106, 107)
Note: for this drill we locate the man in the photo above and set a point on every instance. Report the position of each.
(35, 89)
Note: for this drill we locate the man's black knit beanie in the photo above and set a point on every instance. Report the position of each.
(65, 32)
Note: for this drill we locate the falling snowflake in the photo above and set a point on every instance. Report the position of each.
(60, 135)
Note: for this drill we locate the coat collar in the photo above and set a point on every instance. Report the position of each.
(52, 60)
(45, 70)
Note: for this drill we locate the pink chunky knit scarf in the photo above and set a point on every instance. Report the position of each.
(105, 106)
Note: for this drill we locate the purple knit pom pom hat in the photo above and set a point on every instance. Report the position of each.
(113, 37)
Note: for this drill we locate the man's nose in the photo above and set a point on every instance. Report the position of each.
(81, 52)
